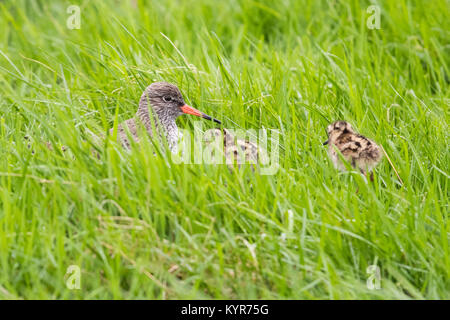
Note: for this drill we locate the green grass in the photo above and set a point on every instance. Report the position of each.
(141, 226)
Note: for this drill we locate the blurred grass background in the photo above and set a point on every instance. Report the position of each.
(143, 227)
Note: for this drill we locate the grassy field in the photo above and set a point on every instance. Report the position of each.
(140, 226)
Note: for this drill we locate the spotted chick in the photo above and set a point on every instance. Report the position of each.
(362, 153)
(235, 150)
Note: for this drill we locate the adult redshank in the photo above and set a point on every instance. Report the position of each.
(166, 104)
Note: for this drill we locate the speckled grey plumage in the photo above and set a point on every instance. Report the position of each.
(155, 112)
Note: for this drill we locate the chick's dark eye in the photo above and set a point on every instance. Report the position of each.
(167, 98)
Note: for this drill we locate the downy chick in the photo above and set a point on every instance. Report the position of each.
(362, 153)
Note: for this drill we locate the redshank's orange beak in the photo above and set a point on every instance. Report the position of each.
(189, 110)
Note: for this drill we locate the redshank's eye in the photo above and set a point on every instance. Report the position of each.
(167, 98)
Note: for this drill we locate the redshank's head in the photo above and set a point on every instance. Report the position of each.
(167, 101)
(336, 129)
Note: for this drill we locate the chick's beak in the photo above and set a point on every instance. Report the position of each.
(325, 143)
(189, 110)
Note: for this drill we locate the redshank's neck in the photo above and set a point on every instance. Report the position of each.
(164, 123)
